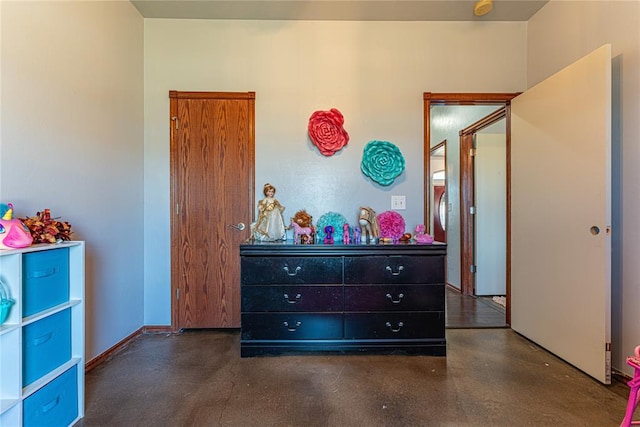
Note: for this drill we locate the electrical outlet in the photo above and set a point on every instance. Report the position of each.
(398, 203)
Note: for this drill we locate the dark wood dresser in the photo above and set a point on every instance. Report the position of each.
(383, 298)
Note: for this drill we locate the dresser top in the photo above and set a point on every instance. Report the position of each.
(288, 248)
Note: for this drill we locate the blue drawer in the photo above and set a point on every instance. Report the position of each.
(55, 404)
(46, 344)
(45, 280)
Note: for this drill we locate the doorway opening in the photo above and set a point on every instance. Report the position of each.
(440, 111)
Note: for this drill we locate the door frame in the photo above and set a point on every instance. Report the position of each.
(451, 99)
(174, 95)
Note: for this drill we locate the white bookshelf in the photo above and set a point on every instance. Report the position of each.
(12, 391)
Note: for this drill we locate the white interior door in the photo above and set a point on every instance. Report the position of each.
(560, 214)
(490, 180)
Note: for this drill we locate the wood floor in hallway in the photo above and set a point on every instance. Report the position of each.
(465, 311)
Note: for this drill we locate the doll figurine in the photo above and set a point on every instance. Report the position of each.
(356, 234)
(270, 224)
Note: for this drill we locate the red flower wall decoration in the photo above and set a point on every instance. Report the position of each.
(326, 131)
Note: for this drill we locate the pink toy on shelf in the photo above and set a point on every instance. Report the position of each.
(346, 239)
(634, 385)
(299, 231)
(420, 236)
(13, 232)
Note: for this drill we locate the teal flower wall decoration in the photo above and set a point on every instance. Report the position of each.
(382, 161)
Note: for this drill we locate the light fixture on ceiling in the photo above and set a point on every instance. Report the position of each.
(482, 7)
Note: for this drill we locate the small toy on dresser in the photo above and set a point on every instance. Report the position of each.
(421, 236)
(13, 232)
(301, 234)
(346, 238)
(304, 220)
(369, 227)
(328, 235)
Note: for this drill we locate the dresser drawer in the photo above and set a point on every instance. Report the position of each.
(291, 326)
(394, 298)
(410, 325)
(291, 270)
(55, 404)
(394, 269)
(46, 344)
(291, 298)
(45, 280)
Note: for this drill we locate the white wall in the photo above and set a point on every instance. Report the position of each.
(72, 141)
(559, 34)
(375, 73)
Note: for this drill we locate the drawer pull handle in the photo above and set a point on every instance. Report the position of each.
(49, 406)
(43, 339)
(292, 301)
(43, 273)
(395, 301)
(400, 325)
(395, 273)
(292, 329)
(286, 268)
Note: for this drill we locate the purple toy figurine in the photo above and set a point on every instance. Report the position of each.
(346, 239)
(356, 235)
(328, 238)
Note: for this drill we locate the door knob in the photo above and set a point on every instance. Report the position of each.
(240, 226)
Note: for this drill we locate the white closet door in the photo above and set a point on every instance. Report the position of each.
(561, 213)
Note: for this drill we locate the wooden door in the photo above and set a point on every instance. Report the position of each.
(212, 193)
(561, 213)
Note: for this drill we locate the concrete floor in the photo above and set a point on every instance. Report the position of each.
(490, 377)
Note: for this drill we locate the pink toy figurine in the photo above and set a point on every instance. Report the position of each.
(421, 236)
(346, 239)
(13, 232)
(300, 231)
(634, 385)
(328, 238)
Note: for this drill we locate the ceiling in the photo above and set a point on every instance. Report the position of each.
(342, 10)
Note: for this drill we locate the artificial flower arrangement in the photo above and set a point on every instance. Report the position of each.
(331, 219)
(45, 229)
(392, 225)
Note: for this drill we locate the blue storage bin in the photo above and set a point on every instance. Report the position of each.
(55, 404)
(46, 344)
(45, 280)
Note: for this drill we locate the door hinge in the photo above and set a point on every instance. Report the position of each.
(177, 209)
(472, 152)
(472, 268)
(177, 293)
(472, 210)
(175, 120)
(607, 346)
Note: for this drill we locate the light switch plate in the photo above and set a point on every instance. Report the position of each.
(398, 203)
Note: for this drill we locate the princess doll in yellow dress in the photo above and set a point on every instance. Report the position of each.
(270, 223)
